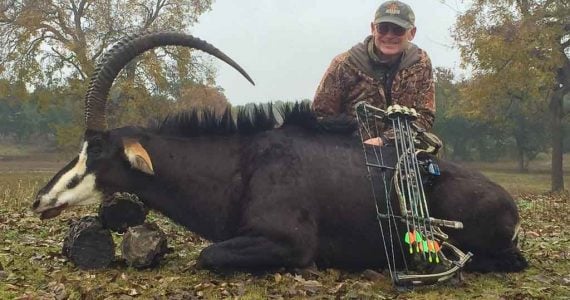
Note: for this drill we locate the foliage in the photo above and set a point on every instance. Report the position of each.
(464, 138)
(486, 133)
(25, 116)
(54, 114)
(52, 40)
(201, 96)
(456, 131)
(514, 47)
(519, 54)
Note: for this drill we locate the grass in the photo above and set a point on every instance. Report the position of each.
(13, 150)
(536, 180)
(19, 150)
(31, 265)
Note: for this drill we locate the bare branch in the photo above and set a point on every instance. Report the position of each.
(70, 61)
(5, 5)
(35, 42)
(524, 7)
(61, 21)
(78, 14)
(55, 32)
(153, 14)
(104, 43)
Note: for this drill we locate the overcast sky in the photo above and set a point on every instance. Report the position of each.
(286, 46)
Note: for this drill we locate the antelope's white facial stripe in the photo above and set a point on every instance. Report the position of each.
(82, 193)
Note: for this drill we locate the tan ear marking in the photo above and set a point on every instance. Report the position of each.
(137, 155)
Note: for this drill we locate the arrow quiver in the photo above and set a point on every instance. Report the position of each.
(416, 248)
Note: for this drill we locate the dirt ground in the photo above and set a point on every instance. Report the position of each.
(48, 162)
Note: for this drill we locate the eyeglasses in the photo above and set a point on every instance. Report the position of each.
(384, 28)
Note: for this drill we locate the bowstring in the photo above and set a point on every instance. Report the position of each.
(389, 209)
(365, 130)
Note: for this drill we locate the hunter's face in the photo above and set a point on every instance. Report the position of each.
(390, 39)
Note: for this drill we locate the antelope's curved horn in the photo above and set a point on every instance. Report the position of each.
(122, 53)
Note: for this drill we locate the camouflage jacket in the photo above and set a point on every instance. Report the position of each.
(353, 77)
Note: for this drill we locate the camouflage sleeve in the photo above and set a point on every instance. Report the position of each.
(425, 104)
(329, 94)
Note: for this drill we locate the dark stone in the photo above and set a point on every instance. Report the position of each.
(144, 245)
(121, 211)
(88, 245)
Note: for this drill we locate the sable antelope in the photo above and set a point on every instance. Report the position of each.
(267, 197)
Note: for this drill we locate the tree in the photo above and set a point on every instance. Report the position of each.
(58, 42)
(518, 50)
(451, 126)
(202, 97)
(42, 37)
(25, 118)
(463, 138)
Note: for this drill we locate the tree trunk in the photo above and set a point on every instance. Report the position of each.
(522, 165)
(460, 150)
(557, 172)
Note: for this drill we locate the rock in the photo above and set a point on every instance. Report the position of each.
(121, 211)
(88, 245)
(144, 245)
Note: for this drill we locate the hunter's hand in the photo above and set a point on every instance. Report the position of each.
(375, 142)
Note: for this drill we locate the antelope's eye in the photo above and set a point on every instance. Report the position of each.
(94, 149)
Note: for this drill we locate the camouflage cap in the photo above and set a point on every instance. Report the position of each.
(395, 12)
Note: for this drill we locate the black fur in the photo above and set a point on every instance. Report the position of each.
(251, 119)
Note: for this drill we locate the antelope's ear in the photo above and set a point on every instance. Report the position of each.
(137, 155)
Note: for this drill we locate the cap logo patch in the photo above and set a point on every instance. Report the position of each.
(393, 9)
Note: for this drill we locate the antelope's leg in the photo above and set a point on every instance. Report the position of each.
(250, 253)
(274, 234)
(278, 226)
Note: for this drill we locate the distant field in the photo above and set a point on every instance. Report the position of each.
(537, 180)
(32, 267)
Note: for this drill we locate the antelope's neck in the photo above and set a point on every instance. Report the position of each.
(197, 183)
